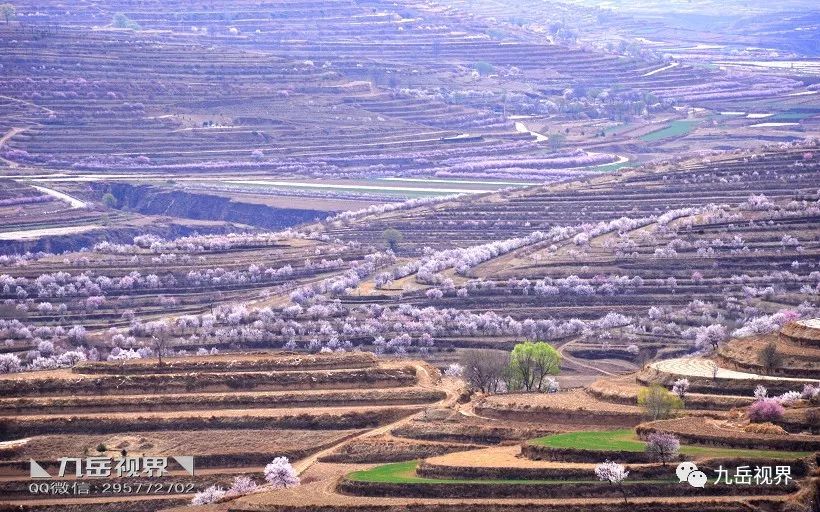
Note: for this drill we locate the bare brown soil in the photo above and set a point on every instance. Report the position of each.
(574, 407)
(195, 401)
(233, 362)
(707, 431)
(392, 449)
(169, 443)
(797, 361)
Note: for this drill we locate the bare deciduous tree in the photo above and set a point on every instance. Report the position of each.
(160, 344)
(7, 11)
(769, 358)
(484, 369)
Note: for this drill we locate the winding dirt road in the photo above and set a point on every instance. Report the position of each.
(424, 380)
(576, 362)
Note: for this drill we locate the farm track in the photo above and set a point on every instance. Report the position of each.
(73, 201)
(7, 136)
(575, 362)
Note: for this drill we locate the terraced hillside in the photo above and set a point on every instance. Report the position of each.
(618, 269)
(232, 413)
(242, 230)
(556, 471)
(242, 114)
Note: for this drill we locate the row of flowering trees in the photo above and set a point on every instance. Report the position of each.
(63, 284)
(772, 409)
(331, 325)
(546, 287)
(463, 259)
(11, 363)
(392, 329)
(279, 474)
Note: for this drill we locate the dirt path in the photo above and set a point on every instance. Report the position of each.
(451, 387)
(73, 201)
(321, 494)
(11, 133)
(574, 361)
(28, 234)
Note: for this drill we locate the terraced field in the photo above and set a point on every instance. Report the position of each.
(340, 400)
(335, 101)
(557, 471)
(242, 230)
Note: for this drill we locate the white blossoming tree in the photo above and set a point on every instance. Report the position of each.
(241, 485)
(10, 363)
(613, 473)
(280, 473)
(680, 387)
(454, 370)
(211, 494)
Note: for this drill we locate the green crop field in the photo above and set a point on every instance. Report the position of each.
(405, 473)
(791, 116)
(612, 167)
(625, 440)
(677, 128)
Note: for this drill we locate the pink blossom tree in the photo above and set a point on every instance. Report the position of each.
(662, 446)
(767, 409)
(711, 336)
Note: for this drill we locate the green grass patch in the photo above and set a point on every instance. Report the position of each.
(625, 440)
(614, 166)
(405, 473)
(789, 116)
(396, 473)
(677, 128)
